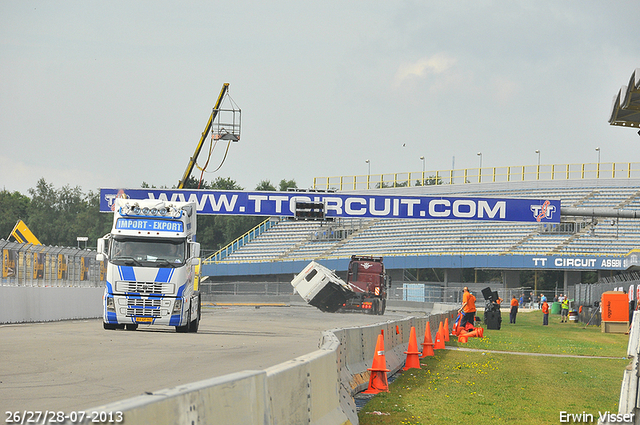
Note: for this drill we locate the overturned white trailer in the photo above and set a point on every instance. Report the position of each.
(322, 288)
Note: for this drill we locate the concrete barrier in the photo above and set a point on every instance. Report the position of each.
(237, 398)
(317, 388)
(21, 304)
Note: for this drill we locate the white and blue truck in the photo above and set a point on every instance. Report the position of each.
(153, 266)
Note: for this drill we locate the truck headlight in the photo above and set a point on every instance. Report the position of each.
(110, 304)
(177, 306)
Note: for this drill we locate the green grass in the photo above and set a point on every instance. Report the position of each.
(462, 387)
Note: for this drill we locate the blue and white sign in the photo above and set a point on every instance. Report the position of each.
(149, 224)
(578, 262)
(349, 206)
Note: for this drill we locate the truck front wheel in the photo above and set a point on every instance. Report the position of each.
(185, 328)
(193, 326)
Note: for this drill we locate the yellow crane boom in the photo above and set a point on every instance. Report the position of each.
(193, 159)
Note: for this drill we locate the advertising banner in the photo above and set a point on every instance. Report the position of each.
(62, 267)
(38, 265)
(349, 206)
(9, 263)
(84, 268)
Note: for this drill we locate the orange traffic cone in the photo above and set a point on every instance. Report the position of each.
(455, 329)
(427, 345)
(439, 344)
(378, 379)
(413, 355)
(473, 334)
(446, 329)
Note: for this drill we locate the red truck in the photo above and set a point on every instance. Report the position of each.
(367, 278)
(365, 289)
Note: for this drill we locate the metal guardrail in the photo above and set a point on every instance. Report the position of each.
(39, 265)
(600, 170)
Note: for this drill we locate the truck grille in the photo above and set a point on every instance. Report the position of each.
(132, 312)
(139, 307)
(146, 287)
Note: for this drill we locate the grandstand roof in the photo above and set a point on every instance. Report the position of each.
(626, 104)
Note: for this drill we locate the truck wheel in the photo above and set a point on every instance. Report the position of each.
(384, 307)
(375, 306)
(109, 326)
(193, 326)
(131, 326)
(185, 328)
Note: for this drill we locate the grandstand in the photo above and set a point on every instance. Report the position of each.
(288, 240)
(287, 245)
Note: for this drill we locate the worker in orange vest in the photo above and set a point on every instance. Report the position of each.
(468, 308)
(514, 310)
(545, 313)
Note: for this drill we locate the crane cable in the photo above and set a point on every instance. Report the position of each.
(204, 168)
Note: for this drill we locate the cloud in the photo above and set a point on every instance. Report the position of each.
(439, 63)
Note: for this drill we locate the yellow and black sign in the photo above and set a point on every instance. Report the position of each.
(22, 234)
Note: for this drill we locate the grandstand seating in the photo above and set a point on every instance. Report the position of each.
(297, 240)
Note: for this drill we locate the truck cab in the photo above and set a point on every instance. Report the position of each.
(153, 266)
(367, 277)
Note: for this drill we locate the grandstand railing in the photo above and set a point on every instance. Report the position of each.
(240, 242)
(600, 170)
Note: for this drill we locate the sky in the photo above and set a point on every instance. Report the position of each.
(116, 93)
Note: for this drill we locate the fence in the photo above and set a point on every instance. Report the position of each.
(587, 294)
(600, 170)
(38, 265)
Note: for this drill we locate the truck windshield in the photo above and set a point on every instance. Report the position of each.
(147, 252)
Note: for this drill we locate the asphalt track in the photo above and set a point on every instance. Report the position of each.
(77, 365)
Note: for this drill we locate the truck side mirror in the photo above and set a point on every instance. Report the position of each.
(100, 254)
(195, 249)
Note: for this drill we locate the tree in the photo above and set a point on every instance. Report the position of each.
(14, 206)
(265, 185)
(42, 213)
(286, 184)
